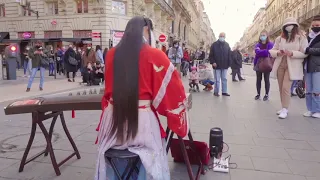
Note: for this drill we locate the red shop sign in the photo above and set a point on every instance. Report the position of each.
(26, 35)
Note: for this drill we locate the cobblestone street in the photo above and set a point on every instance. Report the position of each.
(263, 146)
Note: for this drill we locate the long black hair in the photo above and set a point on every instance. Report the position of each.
(125, 91)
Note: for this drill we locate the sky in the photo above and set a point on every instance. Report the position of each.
(231, 16)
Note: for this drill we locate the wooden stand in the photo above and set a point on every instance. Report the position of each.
(37, 119)
(184, 153)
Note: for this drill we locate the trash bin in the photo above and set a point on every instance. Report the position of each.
(11, 57)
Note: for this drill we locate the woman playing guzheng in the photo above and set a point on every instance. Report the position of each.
(140, 82)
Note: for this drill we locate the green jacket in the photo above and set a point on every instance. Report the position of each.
(36, 58)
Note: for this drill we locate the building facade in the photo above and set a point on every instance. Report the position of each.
(272, 17)
(101, 20)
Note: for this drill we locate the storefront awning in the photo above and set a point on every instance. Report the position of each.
(45, 40)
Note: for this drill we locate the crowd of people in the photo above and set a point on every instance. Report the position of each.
(65, 60)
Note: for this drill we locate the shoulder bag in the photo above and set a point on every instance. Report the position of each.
(72, 61)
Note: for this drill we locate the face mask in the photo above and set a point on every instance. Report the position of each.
(289, 28)
(79, 50)
(221, 39)
(176, 45)
(89, 47)
(315, 29)
(263, 38)
(153, 40)
(27, 48)
(74, 49)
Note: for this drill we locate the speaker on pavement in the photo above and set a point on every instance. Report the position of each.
(216, 142)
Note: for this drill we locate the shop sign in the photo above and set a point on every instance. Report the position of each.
(116, 37)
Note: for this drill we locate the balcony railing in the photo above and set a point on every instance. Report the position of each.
(309, 14)
(165, 7)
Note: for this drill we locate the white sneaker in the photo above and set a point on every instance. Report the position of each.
(308, 114)
(283, 114)
(316, 115)
(279, 112)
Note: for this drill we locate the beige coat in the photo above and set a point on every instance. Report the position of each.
(297, 47)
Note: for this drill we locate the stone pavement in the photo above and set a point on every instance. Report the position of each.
(16, 89)
(263, 146)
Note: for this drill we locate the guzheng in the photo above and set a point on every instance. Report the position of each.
(86, 100)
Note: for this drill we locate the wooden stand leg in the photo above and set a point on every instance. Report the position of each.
(69, 136)
(51, 132)
(186, 158)
(49, 148)
(26, 152)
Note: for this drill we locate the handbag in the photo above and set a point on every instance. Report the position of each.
(201, 153)
(264, 64)
(44, 62)
(72, 61)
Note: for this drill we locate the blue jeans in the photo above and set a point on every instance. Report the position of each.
(51, 68)
(205, 82)
(220, 75)
(121, 165)
(313, 91)
(26, 67)
(33, 74)
(294, 85)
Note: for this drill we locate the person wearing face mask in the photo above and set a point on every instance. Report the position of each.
(262, 51)
(175, 55)
(71, 63)
(89, 55)
(289, 51)
(312, 70)
(135, 75)
(220, 58)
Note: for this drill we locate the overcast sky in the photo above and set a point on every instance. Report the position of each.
(231, 16)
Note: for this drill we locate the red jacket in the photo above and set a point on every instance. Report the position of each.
(186, 56)
(158, 82)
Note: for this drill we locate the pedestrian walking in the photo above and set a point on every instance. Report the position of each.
(289, 50)
(262, 51)
(136, 76)
(99, 54)
(236, 64)
(220, 58)
(26, 62)
(39, 62)
(312, 67)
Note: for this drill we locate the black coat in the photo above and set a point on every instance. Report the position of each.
(313, 60)
(69, 67)
(220, 53)
(236, 58)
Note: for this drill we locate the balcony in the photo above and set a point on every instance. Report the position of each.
(306, 18)
(184, 12)
(164, 6)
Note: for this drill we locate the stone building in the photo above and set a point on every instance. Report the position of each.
(278, 10)
(97, 21)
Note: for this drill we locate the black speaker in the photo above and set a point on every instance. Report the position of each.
(216, 142)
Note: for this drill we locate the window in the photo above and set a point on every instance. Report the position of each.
(298, 13)
(52, 34)
(119, 7)
(82, 34)
(82, 6)
(2, 10)
(26, 9)
(53, 8)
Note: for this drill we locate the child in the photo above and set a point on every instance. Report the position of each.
(206, 76)
(194, 79)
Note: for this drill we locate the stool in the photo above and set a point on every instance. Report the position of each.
(133, 160)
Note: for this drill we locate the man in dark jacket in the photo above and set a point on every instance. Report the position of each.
(220, 58)
(236, 64)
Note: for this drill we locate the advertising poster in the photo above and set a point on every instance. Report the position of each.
(116, 37)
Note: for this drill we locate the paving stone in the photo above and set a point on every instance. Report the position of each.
(315, 145)
(304, 168)
(269, 134)
(270, 165)
(239, 174)
(257, 151)
(304, 155)
(292, 144)
(7, 163)
(243, 162)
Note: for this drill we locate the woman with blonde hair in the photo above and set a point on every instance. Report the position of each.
(289, 51)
